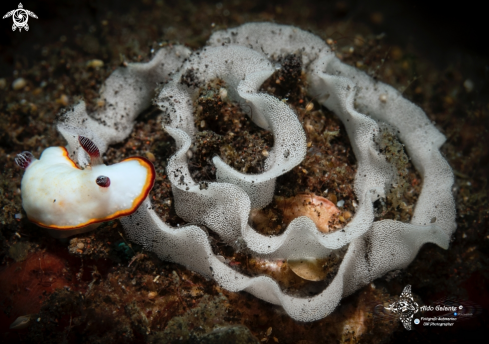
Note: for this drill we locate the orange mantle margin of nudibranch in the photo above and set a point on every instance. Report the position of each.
(148, 185)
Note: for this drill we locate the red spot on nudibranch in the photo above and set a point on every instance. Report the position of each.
(103, 181)
(24, 159)
(89, 147)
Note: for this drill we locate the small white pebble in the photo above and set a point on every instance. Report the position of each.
(469, 85)
(223, 93)
(340, 203)
(19, 84)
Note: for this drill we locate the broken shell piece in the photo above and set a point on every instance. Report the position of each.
(317, 208)
(310, 269)
(19, 84)
(21, 322)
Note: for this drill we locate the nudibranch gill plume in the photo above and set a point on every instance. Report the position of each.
(67, 200)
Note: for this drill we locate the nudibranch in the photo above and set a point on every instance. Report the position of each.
(67, 200)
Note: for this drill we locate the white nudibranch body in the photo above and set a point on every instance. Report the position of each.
(58, 195)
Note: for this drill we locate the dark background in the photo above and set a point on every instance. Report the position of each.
(445, 33)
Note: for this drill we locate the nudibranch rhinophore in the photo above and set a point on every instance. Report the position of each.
(67, 200)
